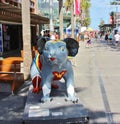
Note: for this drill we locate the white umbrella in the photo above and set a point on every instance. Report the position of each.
(83, 29)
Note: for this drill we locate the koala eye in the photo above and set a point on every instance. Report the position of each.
(62, 48)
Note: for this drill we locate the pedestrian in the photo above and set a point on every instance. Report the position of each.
(56, 36)
(88, 44)
(110, 37)
(106, 37)
(116, 38)
(52, 35)
(82, 37)
(96, 36)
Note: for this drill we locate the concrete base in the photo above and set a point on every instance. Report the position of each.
(5, 87)
(58, 111)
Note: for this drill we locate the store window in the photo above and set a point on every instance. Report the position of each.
(10, 37)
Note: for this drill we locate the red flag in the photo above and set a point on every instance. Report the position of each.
(76, 7)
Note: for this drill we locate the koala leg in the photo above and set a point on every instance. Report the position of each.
(36, 84)
(46, 88)
(71, 94)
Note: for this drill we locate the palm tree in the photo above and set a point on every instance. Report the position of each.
(115, 3)
(72, 19)
(26, 31)
(69, 4)
(85, 4)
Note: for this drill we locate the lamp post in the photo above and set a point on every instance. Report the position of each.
(61, 22)
(51, 15)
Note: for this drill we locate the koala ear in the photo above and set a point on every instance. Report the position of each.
(41, 44)
(72, 46)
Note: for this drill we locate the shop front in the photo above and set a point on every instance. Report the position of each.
(11, 27)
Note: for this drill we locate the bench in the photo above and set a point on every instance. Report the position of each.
(10, 72)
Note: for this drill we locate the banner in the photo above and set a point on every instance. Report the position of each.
(76, 7)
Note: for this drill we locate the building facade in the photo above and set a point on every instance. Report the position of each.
(11, 24)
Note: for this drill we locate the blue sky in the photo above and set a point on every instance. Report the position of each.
(100, 9)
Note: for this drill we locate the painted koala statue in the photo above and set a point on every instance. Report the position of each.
(51, 64)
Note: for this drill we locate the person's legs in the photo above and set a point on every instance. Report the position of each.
(116, 43)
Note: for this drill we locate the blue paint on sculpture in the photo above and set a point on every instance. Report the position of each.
(51, 64)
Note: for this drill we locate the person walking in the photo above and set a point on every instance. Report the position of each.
(110, 37)
(52, 35)
(106, 37)
(88, 44)
(116, 38)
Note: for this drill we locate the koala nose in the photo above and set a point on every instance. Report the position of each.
(52, 58)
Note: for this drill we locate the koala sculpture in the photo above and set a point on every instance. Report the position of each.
(51, 64)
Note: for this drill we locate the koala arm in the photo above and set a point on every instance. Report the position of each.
(46, 84)
(69, 79)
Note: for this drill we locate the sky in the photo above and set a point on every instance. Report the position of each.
(100, 10)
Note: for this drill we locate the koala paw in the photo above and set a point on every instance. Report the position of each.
(73, 99)
(36, 90)
(46, 99)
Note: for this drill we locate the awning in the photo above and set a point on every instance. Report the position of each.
(12, 13)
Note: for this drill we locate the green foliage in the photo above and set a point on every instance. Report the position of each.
(68, 3)
(115, 3)
(85, 22)
(102, 22)
(112, 13)
(85, 4)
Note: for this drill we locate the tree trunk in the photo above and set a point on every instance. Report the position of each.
(72, 20)
(26, 32)
(61, 18)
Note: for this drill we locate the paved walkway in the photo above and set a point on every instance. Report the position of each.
(97, 80)
(12, 106)
(96, 72)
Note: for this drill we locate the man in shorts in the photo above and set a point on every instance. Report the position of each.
(116, 38)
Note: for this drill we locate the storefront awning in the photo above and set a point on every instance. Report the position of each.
(12, 14)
